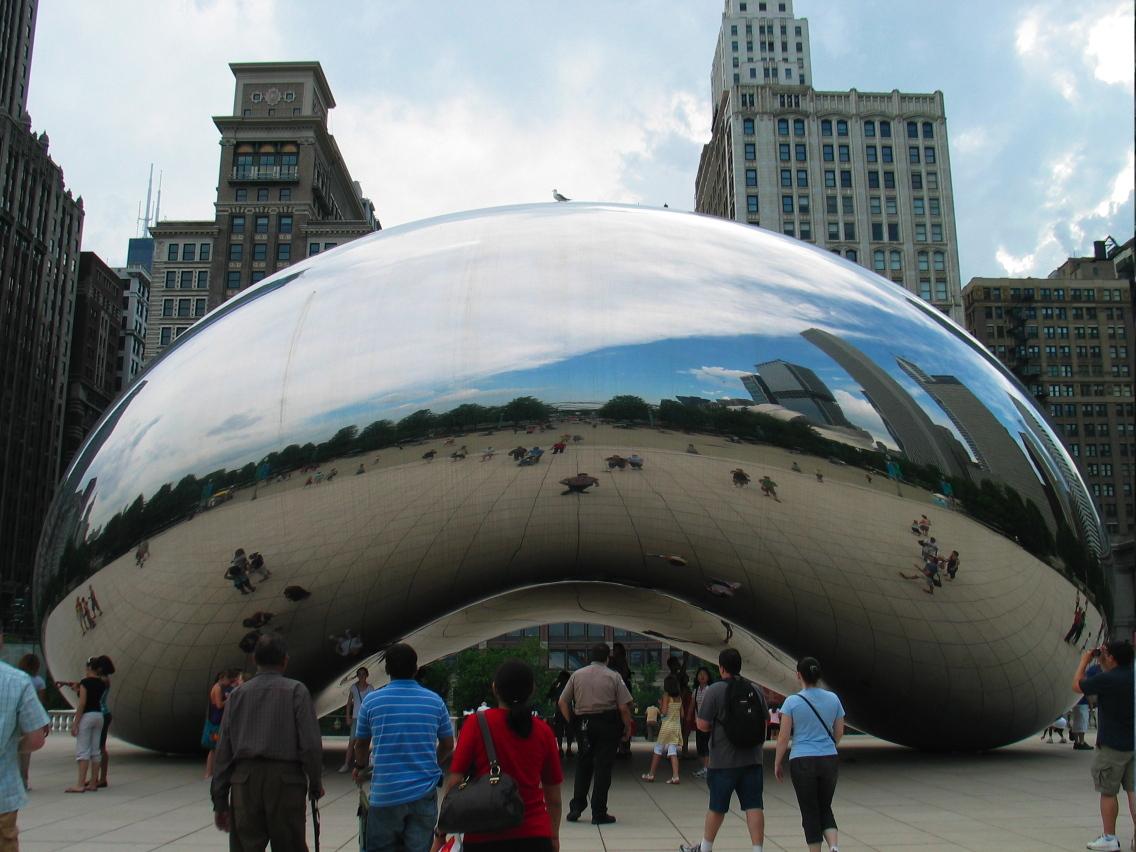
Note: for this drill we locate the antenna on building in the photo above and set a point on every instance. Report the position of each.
(138, 220)
(149, 186)
(158, 203)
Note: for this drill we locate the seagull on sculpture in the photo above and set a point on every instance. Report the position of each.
(558, 197)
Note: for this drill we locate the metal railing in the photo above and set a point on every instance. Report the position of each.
(266, 173)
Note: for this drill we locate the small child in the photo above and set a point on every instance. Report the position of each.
(670, 731)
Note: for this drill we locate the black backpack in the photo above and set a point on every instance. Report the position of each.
(746, 716)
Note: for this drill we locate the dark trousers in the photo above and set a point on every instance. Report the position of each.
(269, 801)
(598, 735)
(814, 780)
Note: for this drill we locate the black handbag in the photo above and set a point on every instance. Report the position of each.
(486, 804)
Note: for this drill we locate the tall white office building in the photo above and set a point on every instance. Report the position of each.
(863, 174)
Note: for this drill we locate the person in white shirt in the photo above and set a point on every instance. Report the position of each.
(355, 695)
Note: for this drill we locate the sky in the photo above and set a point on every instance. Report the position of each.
(463, 106)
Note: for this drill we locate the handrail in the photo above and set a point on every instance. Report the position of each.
(61, 720)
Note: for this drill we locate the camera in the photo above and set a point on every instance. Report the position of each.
(1096, 652)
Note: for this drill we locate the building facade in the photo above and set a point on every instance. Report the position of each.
(1069, 339)
(864, 174)
(283, 193)
(135, 293)
(92, 375)
(40, 229)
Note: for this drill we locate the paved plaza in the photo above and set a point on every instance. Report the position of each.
(1025, 797)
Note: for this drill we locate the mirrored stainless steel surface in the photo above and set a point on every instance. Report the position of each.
(739, 436)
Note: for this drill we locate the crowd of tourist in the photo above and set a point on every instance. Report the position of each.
(497, 782)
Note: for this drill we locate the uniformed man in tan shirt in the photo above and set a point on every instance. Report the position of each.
(600, 702)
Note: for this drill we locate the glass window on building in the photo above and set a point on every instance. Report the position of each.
(751, 204)
(167, 307)
(189, 252)
(782, 127)
(801, 152)
(879, 260)
(873, 179)
(826, 127)
(827, 153)
(889, 180)
(885, 129)
(233, 280)
(893, 232)
(751, 180)
(184, 307)
(847, 204)
(870, 129)
(786, 177)
(236, 251)
(164, 335)
(262, 224)
(925, 289)
(204, 252)
(798, 127)
(845, 178)
(928, 130)
(877, 232)
(802, 178)
(783, 152)
(871, 153)
(849, 231)
(852, 255)
(929, 154)
(284, 251)
(199, 307)
(260, 251)
(262, 194)
(830, 178)
(186, 281)
(844, 154)
(841, 128)
(750, 151)
(242, 195)
(786, 204)
(203, 279)
(830, 205)
(284, 224)
(237, 224)
(747, 126)
(171, 279)
(172, 252)
(258, 275)
(285, 194)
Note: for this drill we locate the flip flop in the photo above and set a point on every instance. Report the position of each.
(647, 778)
(674, 781)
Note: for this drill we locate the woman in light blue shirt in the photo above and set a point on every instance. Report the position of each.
(813, 720)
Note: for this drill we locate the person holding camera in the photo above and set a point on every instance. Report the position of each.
(1113, 762)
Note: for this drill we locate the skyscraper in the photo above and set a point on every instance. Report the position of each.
(797, 388)
(1069, 339)
(283, 193)
(40, 229)
(864, 174)
(917, 436)
(94, 350)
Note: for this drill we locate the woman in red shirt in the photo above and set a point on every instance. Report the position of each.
(526, 750)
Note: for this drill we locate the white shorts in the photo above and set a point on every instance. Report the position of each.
(87, 738)
(670, 750)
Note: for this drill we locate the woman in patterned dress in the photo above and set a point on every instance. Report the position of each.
(670, 731)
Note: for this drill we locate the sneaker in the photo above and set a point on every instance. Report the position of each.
(690, 847)
(608, 819)
(1105, 843)
(573, 816)
(699, 773)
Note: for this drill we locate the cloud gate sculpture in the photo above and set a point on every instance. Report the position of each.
(739, 435)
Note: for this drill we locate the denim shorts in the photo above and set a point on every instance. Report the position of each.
(747, 781)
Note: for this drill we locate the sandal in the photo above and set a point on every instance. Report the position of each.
(675, 780)
(647, 777)
(75, 790)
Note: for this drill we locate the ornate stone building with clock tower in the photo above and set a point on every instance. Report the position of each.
(283, 193)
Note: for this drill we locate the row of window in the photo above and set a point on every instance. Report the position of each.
(260, 224)
(762, 7)
(1056, 294)
(766, 46)
(1050, 312)
(188, 252)
(1124, 410)
(1100, 450)
(770, 74)
(762, 28)
(167, 334)
(260, 251)
(233, 278)
(183, 307)
(282, 194)
(1114, 389)
(1097, 430)
(184, 279)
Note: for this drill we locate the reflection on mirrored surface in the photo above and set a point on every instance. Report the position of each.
(672, 424)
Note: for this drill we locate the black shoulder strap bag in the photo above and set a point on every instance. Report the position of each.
(486, 804)
(823, 723)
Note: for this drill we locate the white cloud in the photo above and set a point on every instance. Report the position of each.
(473, 150)
(1055, 38)
(718, 375)
(860, 412)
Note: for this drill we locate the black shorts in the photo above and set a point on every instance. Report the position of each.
(702, 743)
(103, 736)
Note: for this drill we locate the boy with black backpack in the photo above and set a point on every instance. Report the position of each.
(734, 713)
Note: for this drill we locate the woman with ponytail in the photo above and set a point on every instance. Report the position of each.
(813, 722)
(527, 752)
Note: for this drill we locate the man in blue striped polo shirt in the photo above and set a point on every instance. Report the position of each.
(409, 727)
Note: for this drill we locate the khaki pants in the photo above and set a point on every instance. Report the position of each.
(269, 801)
(9, 836)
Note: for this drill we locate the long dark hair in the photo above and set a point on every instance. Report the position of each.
(513, 682)
(809, 670)
(671, 686)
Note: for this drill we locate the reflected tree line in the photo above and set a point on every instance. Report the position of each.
(994, 504)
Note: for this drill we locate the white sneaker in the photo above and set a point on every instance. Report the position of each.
(344, 768)
(1105, 843)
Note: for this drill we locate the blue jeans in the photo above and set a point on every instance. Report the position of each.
(403, 828)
